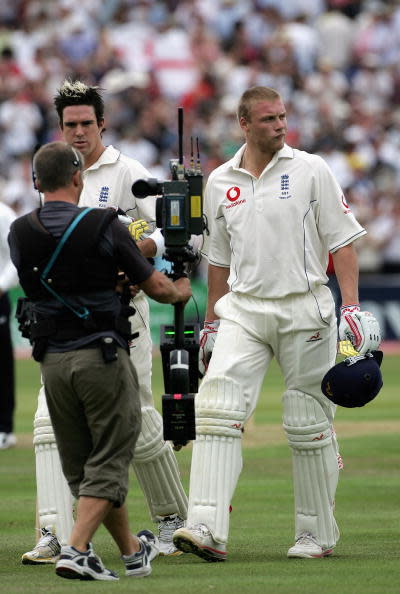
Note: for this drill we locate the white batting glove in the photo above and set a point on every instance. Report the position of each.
(207, 341)
(360, 327)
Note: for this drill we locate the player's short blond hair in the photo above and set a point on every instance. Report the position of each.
(255, 94)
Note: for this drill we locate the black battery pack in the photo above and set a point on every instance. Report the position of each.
(178, 417)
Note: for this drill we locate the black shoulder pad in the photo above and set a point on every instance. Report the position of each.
(29, 221)
(89, 230)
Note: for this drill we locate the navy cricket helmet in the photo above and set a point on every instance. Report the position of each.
(355, 381)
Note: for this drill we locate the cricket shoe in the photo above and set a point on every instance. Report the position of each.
(7, 440)
(167, 525)
(199, 541)
(306, 547)
(47, 550)
(139, 564)
(78, 565)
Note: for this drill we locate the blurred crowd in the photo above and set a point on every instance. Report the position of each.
(336, 64)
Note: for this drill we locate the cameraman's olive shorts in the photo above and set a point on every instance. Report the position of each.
(95, 412)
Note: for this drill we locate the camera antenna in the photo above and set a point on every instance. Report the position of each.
(176, 165)
(198, 164)
(180, 134)
(191, 154)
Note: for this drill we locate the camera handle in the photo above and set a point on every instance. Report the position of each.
(179, 345)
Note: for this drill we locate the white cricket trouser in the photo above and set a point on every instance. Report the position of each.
(141, 349)
(300, 331)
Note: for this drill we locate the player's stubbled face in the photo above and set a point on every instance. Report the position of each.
(267, 126)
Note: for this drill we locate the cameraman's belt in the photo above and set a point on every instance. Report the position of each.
(70, 329)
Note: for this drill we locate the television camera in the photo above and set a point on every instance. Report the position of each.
(179, 215)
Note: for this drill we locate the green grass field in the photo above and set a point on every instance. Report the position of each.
(366, 560)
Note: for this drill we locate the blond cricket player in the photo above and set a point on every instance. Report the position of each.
(274, 215)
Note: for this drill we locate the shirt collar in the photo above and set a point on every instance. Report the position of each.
(286, 152)
(108, 156)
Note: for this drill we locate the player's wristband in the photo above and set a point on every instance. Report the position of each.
(350, 308)
(158, 239)
(211, 325)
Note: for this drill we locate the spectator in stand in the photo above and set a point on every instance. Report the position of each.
(326, 85)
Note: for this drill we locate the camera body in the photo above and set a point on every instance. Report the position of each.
(179, 215)
(179, 206)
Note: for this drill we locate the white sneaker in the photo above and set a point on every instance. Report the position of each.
(306, 547)
(167, 525)
(139, 564)
(74, 564)
(7, 440)
(199, 541)
(47, 550)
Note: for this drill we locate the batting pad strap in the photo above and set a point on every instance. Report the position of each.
(228, 427)
(43, 431)
(309, 437)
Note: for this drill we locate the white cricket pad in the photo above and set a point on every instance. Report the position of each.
(156, 468)
(315, 466)
(217, 454)
(54, 498)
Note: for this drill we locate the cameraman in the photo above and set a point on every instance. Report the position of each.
(80, 335)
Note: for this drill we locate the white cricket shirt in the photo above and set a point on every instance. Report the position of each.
(274, 232)
(108, 182)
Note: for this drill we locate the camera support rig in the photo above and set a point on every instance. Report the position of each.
(179, 214)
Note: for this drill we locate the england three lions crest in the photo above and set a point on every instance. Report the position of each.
(103, 196)
(285, 189)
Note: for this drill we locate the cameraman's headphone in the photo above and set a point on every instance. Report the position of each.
(76, 162)
(35, 150)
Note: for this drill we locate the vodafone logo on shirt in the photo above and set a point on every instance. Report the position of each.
(233, 194)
